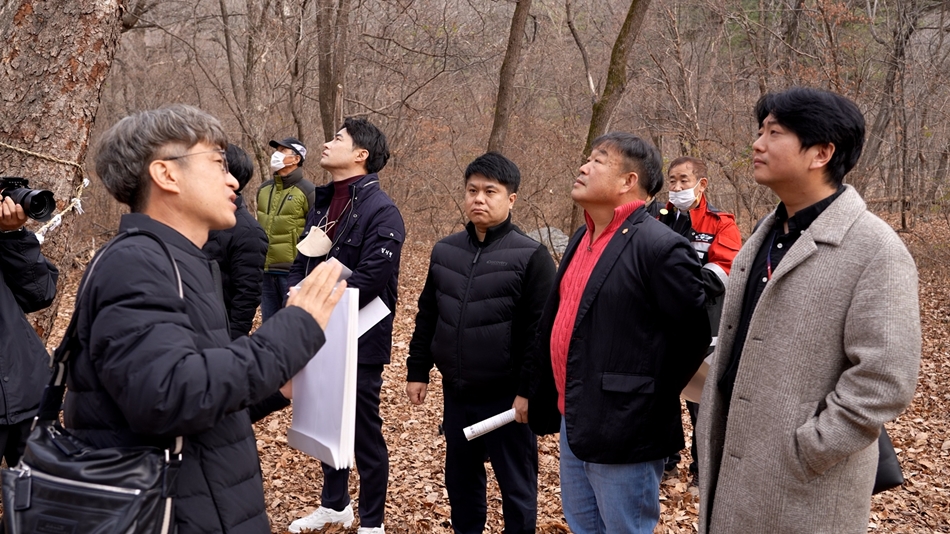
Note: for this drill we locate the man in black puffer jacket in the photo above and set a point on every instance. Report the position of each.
(156, 358)
(240, 252)
(478, 316)
(27, 284)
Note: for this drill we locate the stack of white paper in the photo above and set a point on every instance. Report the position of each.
(325, 391)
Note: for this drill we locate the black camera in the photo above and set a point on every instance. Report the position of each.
(37, 203)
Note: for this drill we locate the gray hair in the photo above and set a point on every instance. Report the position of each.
(128, 148)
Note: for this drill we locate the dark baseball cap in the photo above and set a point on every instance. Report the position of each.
(294, 144)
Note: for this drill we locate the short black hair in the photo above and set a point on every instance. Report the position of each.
(368, 137)
(641, 156)
(239, 165)
(819, 117)
(496, 167)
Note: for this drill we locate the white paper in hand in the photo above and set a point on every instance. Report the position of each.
(494, 422)
(324, 417)
(371, 314)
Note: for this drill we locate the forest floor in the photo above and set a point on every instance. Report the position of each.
(417, 501)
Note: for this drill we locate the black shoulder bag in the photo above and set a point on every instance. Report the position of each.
(62, 484)
(889, 474)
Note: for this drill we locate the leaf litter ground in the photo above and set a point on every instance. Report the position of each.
(417, 501)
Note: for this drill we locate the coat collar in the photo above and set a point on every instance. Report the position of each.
(492, 234)
(291, 179)
(830, 228)
(622, 236)
(358, 189)
(166, 233)
(833, 224)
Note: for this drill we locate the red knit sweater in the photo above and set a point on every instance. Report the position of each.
(572, 287)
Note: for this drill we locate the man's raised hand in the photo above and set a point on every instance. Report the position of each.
(319, 292)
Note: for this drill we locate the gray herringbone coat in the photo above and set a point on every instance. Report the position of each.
(832, 352)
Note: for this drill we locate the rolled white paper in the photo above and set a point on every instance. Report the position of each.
(483, 427)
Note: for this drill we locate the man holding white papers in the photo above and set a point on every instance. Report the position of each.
(354, 221)
(478, 315)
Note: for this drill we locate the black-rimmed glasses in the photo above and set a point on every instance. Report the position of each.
(224, 158)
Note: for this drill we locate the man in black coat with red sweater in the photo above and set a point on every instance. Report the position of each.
(613, 356)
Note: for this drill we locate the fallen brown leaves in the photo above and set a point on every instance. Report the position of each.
(417, 501)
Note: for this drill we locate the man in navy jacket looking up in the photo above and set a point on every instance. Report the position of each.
(477, 321)
(359, 225)
(613, 354)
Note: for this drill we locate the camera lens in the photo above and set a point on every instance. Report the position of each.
(38, 204)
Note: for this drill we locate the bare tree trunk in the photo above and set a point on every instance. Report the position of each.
(616, 82)
(333, 21)
(509, 67)
(54, 57)
(907, 25)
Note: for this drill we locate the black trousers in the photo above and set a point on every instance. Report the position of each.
(372, 456)
(13, 440)
(693, 409)
(672, 461)
(513, 451)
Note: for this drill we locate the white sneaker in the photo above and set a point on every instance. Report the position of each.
(322, 516)
(374, 530)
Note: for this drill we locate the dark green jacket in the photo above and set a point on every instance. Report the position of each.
(282, 207)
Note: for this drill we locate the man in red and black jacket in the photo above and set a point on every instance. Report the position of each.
(612, 357)
(716, 240)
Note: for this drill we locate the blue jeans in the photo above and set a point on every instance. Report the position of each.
(614, 498)
(274, 295)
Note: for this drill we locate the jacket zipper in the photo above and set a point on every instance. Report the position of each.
(87, 485)
(283, 201)
(468, 287)
(270, 204)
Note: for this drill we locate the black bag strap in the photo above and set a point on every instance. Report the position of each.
(52, 401)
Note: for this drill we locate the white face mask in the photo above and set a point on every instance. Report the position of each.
(316, 244)
(683, 200)
(277, 161)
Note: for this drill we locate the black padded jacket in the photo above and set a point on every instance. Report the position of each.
(479, 311)
(154, 366)
(27, 284)
(240, 253)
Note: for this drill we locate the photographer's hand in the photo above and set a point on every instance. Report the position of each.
(12, 216)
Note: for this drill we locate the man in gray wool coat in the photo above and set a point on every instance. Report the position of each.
(819, 342)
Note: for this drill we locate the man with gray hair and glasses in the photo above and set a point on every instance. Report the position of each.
(156, 360)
